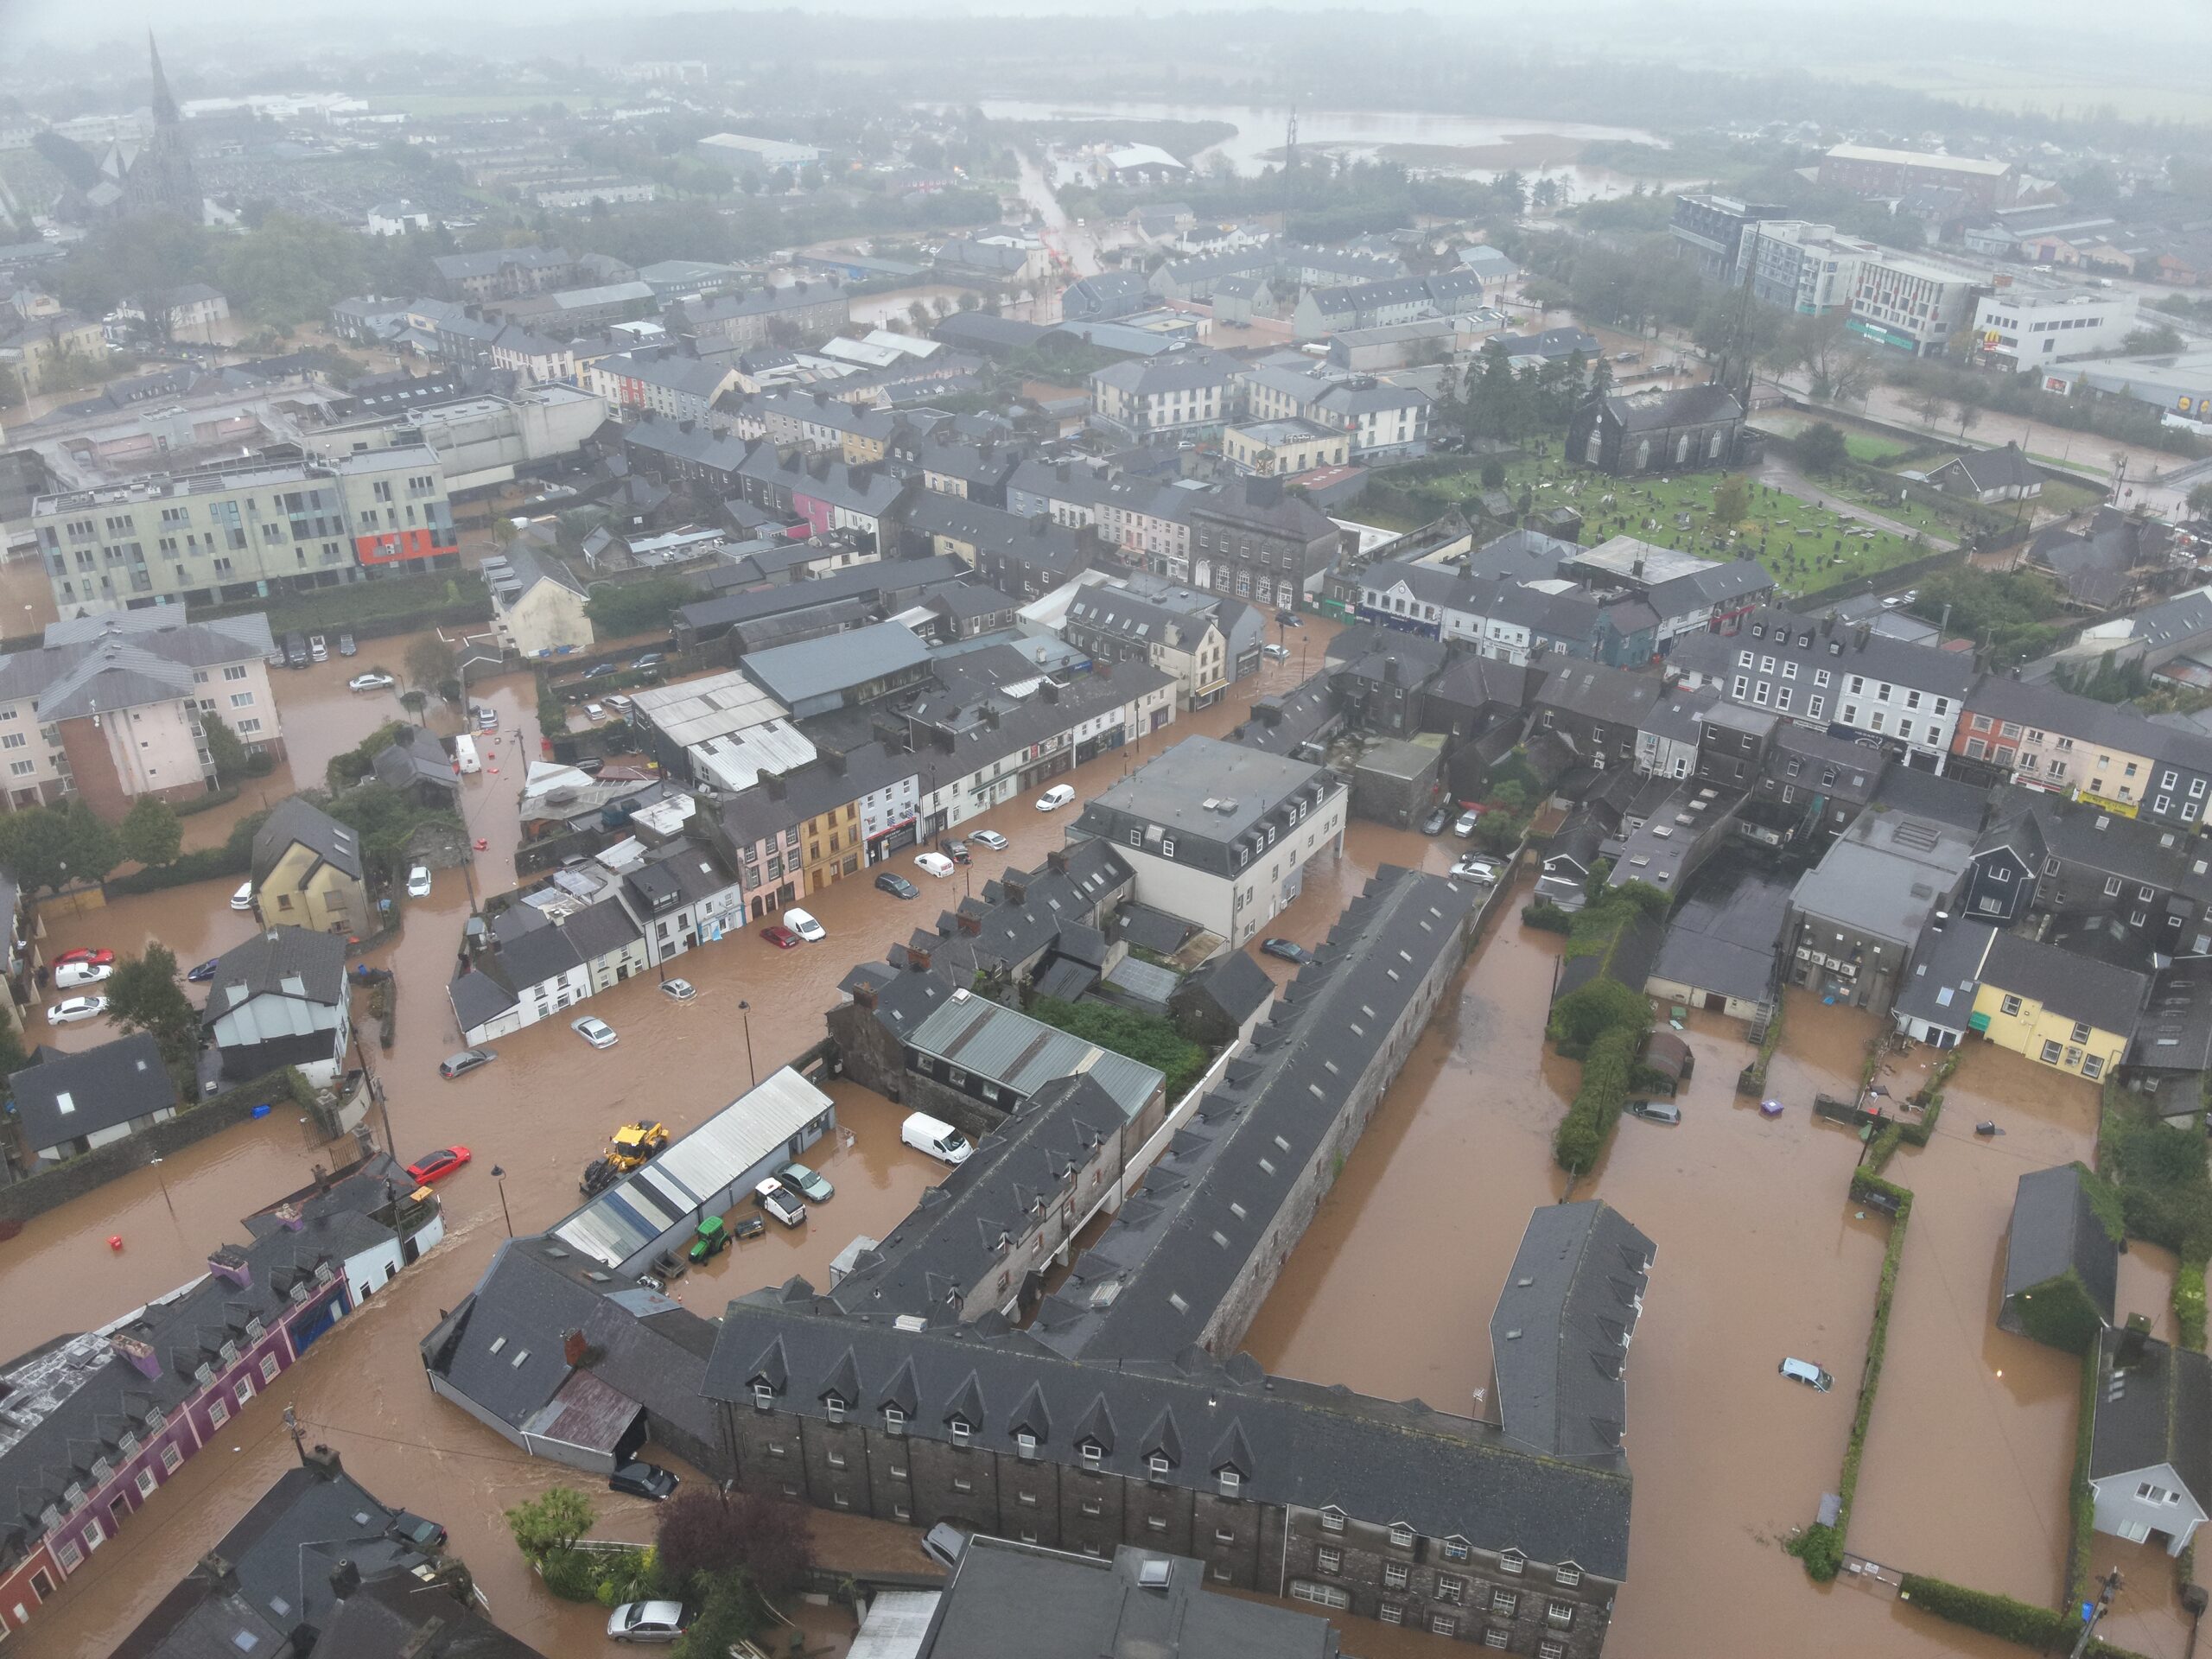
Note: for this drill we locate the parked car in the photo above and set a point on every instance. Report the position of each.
(97, 958)
(413, 1530)
(205, 972)
(813, 1185)
(619, 703)
(460, 1064)
(936, 1137)
(1464, 825)
(1803, 1370)
(1287, 950)
(487, 717)
(936, 863)
(1056, 798)
(643, 1480)
(374, 680)
(682, 989)
(943, 1543)
(436, 1165)
(646, 664)
(243, 898)
(892, 882)
(70, 975)
(1276, 653)
(594, 712)
(806, 926)
(1473, 866)
(594, 1031)
(1434, 823)
(990, 838)
(645, 1621)
(316, 648)
(780, 1201)
(345, 645)
(70, 1010)
(1654, 1111)
(780, 936)
(418, 882)
(958, 852)
(601, 670)
(1290, 619)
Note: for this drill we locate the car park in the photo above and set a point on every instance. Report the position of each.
(936, 864)
(1434, 823)
(646, 1621)
(774, 1198)
(374, 680)
(780, 936)
(1056, 798)
(594, 1031)
(892, 882)
(71, 975)
(205, 972)
(682, 989)
(436, 1165)
(460, 1064)
(990, 838)
(70, 1010)
(1286, 951)
(418, 882)
(809, 1183)
(936, 1137)
(643, 1480)
(1654, 1111)
(243, 898)
(802, 923)
(1803, 1370)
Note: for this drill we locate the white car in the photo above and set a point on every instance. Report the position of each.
(71, 1009)
(1475, 867)
(936, 863)
(990, 838)
(418, 882)
(806, 926)
(595, 711)
(373, 681)
(72, 973)
(243, 898)
(594, 1031)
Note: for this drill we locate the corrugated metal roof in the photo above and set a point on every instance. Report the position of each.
(1006, 1047)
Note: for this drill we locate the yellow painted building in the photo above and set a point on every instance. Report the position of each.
(833, 843)
(308, 872)
(2062, 1010)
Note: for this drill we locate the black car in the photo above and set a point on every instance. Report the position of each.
(1290, 619)
(412, 1529)
(646, 664)
(958, 852)
(1288, 950)
(890, 883)
(1434, 823)
(643, 1480)
(205, 972)
(601, 670)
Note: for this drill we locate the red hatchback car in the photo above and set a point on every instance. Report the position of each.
(780, 936)
(438, 1164)
(90, 958)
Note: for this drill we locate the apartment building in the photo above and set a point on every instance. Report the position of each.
(1177, 395)
(244, 530)
(1912, 305)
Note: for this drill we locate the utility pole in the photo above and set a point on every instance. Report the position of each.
(1289, 168)
(299, 1435)
(2094, 1611)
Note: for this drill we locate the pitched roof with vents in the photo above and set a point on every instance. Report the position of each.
(1559, 1336)
(2154, 1406)
(2055, 1228)
(1002, 1045)
(67, 1095)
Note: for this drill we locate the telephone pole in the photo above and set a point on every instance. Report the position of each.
(2092, 1612)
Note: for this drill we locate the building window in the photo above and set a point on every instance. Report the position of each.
(1393, 1612)
(1512, 1561)
(1331, 1520)
(1321, 1595)
(2051, 1051)
(145, 1483)
(1451, 1589)
(268, 1368)
(2009, 1005)
(962, 1484)
(1158, 1466)
(763, 1397)
(171, 1459)
(1329, 1559)
(218, 1413)
(1506, 1602)
(895, 1420)
(1560, 1613)
(1230, 1483)
(1395, 1575)
(1443, 1625)
(1494, 1638)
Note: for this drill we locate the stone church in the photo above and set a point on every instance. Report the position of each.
(1655, 430)
(138, 180)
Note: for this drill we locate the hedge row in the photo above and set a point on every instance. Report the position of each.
(2081, 1498)
(1582, 1134)
(207, 803)
(2039, 1628)
(1541, 912)
(2189, 1303)
(1819, 1547)
(233, 857)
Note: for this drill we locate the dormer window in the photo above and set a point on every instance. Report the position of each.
(1402, 1535)
(834, 1408)
(1092, 1452)
(1232, 1484)
(1568, 1576)
(229, 1352)
(102, 1472)
(1158, 1466)
(763, 1397)
(203, 1374)
(962, 1431)
(1512, 1561)
(1025, 1446)
(895, 1420)
(1332, 1519)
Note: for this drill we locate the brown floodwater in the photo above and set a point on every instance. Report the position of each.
(540, 1112)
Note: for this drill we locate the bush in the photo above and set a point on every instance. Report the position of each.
(1542, 914)
(2189, 1303)
(571, 1575)
(208, 802)
(2040, 1628)
(1584, 1014)
(233, 857)
(2059, 1312)
(1147, 1039)
(1582, 1134)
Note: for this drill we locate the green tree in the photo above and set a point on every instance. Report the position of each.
(1493, 475)
(35, 844)
(432, 663)
(617, 609)
(551, 1521)
(730, 1614)
(2200, 501)
(1821, 449)
(144, 994)
(93, 848)
(224, 747)
(2157, 340)
(152, 833)
(1732, 501)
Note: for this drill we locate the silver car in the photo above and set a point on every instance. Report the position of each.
(645, 1621)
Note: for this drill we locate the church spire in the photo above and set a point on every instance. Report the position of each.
(165, 111)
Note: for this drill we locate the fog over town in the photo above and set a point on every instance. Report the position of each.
(925, 833)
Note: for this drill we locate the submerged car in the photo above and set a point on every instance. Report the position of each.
(243, 898)
(460, 1064)
(1434, 823)
(205, 972)
(990, 838)
(816, 1186)
(436, 1165)
(72, 973)
(682, 989)
(890, 881)
(1286, 950)
(418, 882)
(802, 923)
(70, 1010)
(643, 1480)
(645, 1621)
(594, 1031)
(374, 680)
(1803, 1370)
(1654, 1111)
(780, 1201)
(781, 936)
(95, 958)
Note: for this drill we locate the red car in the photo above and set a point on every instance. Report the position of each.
(90, 958)
(438, 1164)
(780, 936)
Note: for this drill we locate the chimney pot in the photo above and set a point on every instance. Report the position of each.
(918, 960)
(344, 1579)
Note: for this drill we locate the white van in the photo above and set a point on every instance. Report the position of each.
(1056, 798)
(464, 755)
(939, 1140)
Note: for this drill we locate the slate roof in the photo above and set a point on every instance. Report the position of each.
(413, 757)
(1885, 875)
(2153, 1408)
(1993, 469)
(1153, 1282)
(67, 1095)
(2054, 1227)
(1725, 931)
(124, 659)
(1309, 1446)
(1768, 632)
(2096, 993)
(1559, 1336)
(1193, 369)
(294, 961)
(836, 662)
(1652, 408)
(1594, 691)
(297, 820)
(2174, 1032)
(1234, 983)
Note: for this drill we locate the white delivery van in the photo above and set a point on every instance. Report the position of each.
(939, 1138)
(464, 753)
(1056, 798)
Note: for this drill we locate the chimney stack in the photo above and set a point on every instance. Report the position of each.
(864, 997)
(344, 1579)
(1015, 884)
(971, 926)
(574, 1347)
(917, 959)
(324, 1463)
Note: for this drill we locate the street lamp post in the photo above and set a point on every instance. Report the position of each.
(751, 1072)
(499, 1178)
(155, 1164)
